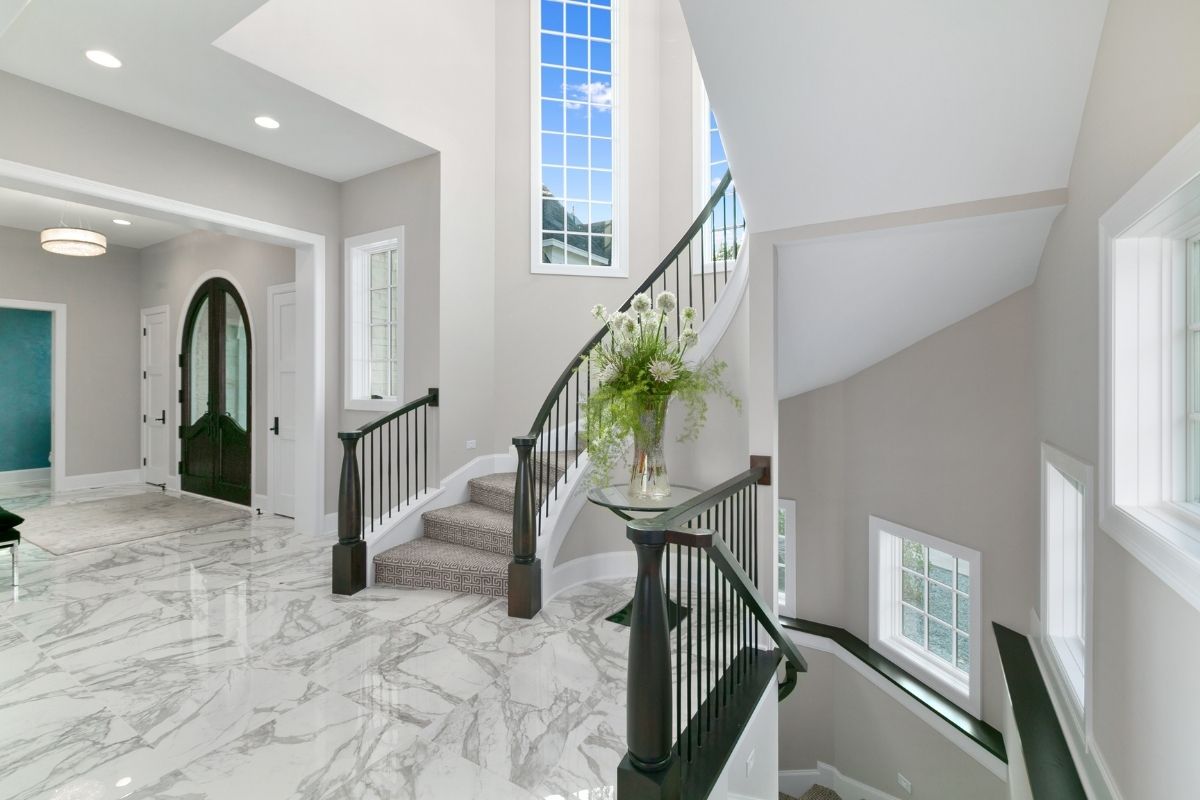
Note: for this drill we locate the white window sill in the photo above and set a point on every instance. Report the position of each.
(1165, 538)
(943, 679)
(579, 271)
(366, 404)
(1067, 660)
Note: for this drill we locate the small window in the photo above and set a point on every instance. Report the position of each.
(925, 608)
(1192, 374)
(577, 138)
(785, 555)
(375, 320)
(1066, 532)
(722, 238)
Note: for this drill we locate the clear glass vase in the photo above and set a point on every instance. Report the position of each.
(648, 479)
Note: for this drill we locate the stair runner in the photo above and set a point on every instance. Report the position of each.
(466, 548)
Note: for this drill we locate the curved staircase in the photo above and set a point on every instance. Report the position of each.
(476, 546)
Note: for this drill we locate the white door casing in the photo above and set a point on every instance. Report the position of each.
(281, 399)
(156, 383)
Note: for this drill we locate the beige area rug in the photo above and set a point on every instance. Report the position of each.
(73, 527)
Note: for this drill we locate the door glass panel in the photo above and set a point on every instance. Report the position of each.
(237, 378)
(198, 366)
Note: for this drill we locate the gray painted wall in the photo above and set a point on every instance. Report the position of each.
(128, 151)
(101, 295)
(169, 275)
(838, 717)
(406, 194)
(939, 437)
(1144, 97)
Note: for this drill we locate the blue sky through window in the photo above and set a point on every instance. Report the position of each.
(575, 61)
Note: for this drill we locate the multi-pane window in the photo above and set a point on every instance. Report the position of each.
(383, 295)
(925, 609)
(935, 603)
(785, 555)
(722, 238)
(575, 132)
(375, 320)
(1066, 498)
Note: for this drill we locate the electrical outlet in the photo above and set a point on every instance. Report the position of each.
(904, 782)
(470, 444)
(750, 763)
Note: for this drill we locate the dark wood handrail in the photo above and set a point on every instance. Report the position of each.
(429, 399)
(551, 397)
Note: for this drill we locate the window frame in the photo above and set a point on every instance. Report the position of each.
(885, 627)
(355, 309)
(702, 187)
(1142, 461)
(619, 267)
(1071, 660)
(785, 596)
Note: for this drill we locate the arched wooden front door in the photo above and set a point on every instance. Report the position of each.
(216, 429)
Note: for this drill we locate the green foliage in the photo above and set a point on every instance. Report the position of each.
(639, 365)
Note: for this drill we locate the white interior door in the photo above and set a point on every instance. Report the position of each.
(156, 378)
(281, 402)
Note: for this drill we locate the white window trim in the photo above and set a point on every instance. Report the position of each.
(701, 146)
(884, 612)
(788, 608)
(1142, 265)
(353, 307)
(1077, 682)
(620, 246)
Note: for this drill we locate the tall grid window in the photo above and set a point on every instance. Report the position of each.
(724, 237)
(383, 293)
(375, 320)
(575, 129)
(925, 607)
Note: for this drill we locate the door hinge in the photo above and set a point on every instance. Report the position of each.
(143, 462)
(179, 468)
(143, 374)
(181, 359)
(180, 399)
(144, 418)
(180, 431)
(143, 331)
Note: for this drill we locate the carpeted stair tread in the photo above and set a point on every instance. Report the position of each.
(819, 792)
(471, 525)
(432, 564)
(496, 491)
(550, 465)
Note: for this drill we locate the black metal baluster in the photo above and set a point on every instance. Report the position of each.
(713, 240)
(372, 479)
(737, 242)
(682, 722)
(691, 646)
(678, 300)
(557, 448)
(412, 452)
(425, 452)
(691, 279)
(754, 540)
(577, 447)
(391, 458)
(703, 298)
(725, 233)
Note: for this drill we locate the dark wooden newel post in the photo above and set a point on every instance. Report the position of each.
(649, 769)
(350, 552)
(525, 570)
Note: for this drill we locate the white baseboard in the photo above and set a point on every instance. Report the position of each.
(621, 564)
(796, 782)
(14, 476)
(98, 479)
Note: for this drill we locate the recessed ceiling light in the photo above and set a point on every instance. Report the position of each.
(122, 222)
(103, 58)
(266, 122)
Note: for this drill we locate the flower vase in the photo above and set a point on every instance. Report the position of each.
(648, 479)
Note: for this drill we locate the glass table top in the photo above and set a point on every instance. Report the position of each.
(618, 499)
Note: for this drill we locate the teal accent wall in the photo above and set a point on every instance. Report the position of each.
(25, 353)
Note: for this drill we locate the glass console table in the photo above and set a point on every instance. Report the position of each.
(617, 500)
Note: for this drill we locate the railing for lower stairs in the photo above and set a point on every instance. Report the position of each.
(696, 270)
(385, 466)
(693, 689)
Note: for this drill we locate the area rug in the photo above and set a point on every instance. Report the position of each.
(70, 528)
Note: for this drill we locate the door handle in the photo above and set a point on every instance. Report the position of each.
(163, 418)
(275, 427)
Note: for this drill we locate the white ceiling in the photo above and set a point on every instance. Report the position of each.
(34, 212)
(835, 111)
(847, 302)
(174, 75)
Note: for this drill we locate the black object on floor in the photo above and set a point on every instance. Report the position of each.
(675, 613)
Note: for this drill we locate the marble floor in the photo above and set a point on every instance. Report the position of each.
(214, 663)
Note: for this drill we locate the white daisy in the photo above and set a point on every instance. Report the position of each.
(663, 371)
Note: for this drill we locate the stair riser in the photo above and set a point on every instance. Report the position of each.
(481, 539)
(445, 578)
(493, 497)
